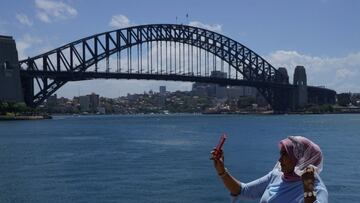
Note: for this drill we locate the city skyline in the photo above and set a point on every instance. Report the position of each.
(311, 33)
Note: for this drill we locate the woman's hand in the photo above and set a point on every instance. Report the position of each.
(218, 162)
(308, 179)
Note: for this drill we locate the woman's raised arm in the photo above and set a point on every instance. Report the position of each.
(229, 181)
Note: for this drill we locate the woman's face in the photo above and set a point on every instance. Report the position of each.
(287, 165)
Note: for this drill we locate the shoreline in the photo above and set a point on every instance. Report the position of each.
(43, 117)
(22, 117)
(218, 113)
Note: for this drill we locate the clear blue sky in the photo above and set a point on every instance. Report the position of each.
(322, 35)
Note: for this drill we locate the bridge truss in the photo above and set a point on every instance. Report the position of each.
(154, 52)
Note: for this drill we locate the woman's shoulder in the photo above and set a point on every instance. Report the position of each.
(275, 173)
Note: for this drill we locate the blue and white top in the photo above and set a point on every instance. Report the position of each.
(272, 189)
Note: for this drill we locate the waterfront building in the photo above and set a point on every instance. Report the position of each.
(162, 90)
(84, 103)
(94, 101)
(52, 101)
(241, 91)
(200, 89)
(218, 91)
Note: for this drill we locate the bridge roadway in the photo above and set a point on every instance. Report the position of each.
(89, 75)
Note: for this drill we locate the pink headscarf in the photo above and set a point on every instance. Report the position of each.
(303, 152)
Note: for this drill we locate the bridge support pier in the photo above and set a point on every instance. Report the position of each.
(28, 90)
(301, 94)
(10, 82)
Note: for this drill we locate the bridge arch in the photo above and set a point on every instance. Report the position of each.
(70, 62)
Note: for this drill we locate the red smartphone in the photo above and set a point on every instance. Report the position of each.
(218, 148)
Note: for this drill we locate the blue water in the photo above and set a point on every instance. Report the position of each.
(163, 158)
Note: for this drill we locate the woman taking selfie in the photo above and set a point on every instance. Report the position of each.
(295, 178)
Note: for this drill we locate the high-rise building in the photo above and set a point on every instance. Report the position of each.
(94, 101)
(218, 90)
(241, 91)
(84, 103)
(200, 89)
(162, 90)
(52, 100)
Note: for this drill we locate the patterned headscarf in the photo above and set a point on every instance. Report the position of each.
(303, 152)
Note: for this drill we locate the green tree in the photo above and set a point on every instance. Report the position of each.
(20, 107)
(4, 106)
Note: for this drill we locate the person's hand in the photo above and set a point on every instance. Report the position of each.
(308, 178)
(218, 162)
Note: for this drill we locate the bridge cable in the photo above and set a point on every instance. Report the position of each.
(229, 71)
(131, 58)
(200, 62)
(207, 64)
(180, 66)
(222, 65)
(138, 58)
(214, 62)
(170, 58)
(192, 59)
(161, 48)
(151, 60)
(236, 74)
(117, 61)
(197, 61)
(131, 68)
(179, 58)
(184, 58)
(166, 58)
(127, 56)
(188, 58)
(120, 55)
(107, 64)
(157, 57)
(141, 58)
(147, 57)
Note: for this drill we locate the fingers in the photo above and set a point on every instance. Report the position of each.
(309, 170)
(216, 155)
(308, 173)
(308, 178)
(213, 155)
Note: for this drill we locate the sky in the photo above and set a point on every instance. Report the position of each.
(321, 35)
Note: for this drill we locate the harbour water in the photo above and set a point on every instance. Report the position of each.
(163, 158)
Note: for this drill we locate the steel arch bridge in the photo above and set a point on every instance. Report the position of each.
(154, 52)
